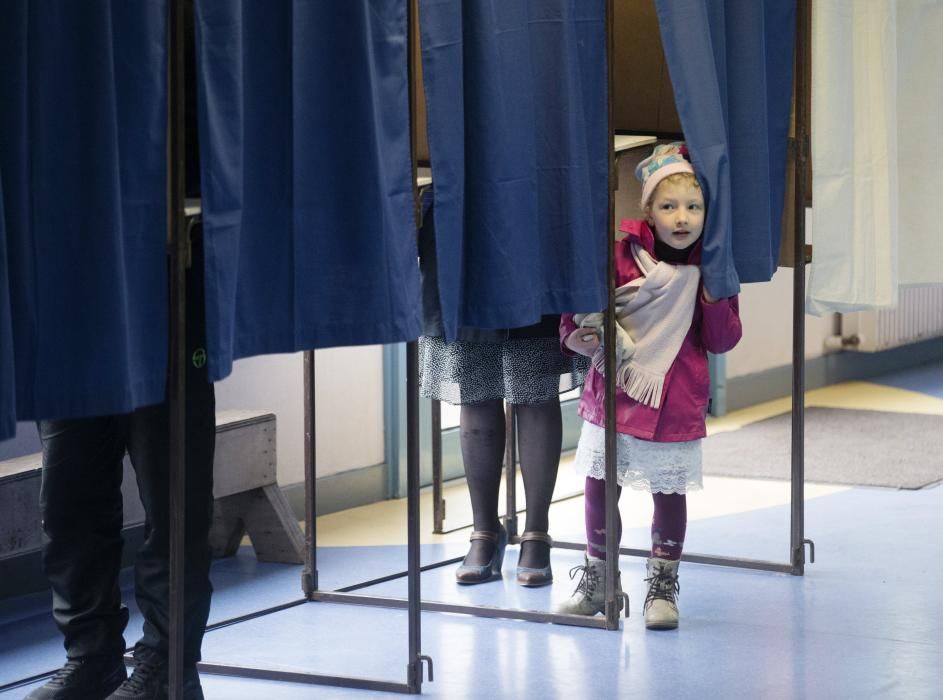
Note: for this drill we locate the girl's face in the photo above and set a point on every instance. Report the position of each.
(677, 213)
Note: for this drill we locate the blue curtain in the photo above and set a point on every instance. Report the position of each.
(516, 101)
(7, 386)
(82, 151)
(309, 224)
(731, 65)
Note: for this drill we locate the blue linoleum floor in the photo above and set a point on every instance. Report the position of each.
(925, 379)
(866, 621)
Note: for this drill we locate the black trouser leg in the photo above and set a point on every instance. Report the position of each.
(148, 445)
(80, 502)
(149, 452)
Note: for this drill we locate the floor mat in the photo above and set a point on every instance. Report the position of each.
(866, 448)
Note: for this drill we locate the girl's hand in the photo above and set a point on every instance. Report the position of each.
(708, 297)
(583, 341)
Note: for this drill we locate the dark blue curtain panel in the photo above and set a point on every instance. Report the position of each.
(731, 66)
(7, 385)
(516, 95)
(83, 157)
(308, 212)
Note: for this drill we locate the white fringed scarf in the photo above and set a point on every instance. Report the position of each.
(653, 314)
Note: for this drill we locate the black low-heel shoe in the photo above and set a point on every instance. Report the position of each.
(532, 577)
(489, 571)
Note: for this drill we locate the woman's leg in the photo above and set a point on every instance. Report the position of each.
(540, 438)
(482, 439)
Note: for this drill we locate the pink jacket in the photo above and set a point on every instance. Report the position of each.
(715, 328)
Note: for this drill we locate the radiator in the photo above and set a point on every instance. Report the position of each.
(918, 317)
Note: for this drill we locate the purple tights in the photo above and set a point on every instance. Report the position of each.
(668, 522)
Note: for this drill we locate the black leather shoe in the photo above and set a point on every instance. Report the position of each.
(86, 678)
(149, 682)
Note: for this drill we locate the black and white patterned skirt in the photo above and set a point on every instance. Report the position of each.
(519, 370)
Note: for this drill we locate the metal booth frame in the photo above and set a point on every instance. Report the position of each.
(414, 669)
(795, 565)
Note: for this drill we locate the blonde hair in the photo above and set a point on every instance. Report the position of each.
(674, 179)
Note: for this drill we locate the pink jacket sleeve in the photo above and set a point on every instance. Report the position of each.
(567, 326)
(720, 324)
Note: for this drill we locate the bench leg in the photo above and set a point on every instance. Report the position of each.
(265, 515)
(272, 527)
(228, 525)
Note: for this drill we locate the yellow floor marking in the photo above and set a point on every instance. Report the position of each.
(863, 396)
(874, 397)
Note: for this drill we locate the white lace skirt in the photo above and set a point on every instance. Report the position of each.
(657, 467)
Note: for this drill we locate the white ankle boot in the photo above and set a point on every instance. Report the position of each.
(661, 607)
(589, 597)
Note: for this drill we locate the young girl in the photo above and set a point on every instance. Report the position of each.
(666, 323)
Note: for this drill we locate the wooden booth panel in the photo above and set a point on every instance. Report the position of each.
(422, 136)
(643, 100)
(788, 235)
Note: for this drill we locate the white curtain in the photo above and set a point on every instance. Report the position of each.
(920, 140)
(877, 145)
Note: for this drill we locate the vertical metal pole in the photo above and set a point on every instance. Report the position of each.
(797, 524)
(438, 503)
(414, 672)
(612, 498)
(414, 664)
(309, 578)
(510, 469)
(176, 385)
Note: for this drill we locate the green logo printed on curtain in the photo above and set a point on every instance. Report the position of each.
(199, 358)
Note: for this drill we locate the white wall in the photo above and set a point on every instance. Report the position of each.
(349, 418)
(766, 313)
